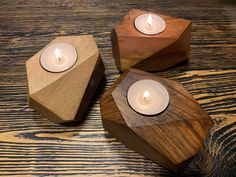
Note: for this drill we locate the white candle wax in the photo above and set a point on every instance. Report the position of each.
(150, 24)
(58, 57)
(148, 97)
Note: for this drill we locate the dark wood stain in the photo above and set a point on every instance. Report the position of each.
(171, 138)
(34, 146)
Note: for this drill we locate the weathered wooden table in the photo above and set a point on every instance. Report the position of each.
(32, 145)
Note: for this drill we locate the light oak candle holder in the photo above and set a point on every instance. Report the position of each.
(64, 96)
(132, 48)
(170, 138)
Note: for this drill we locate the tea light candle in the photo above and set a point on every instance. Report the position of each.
(148, 97)
(150, 24)
(58, 57)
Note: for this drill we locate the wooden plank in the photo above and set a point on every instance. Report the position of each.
(32, 145)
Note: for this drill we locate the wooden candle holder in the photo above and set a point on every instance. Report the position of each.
(64, 97)
(132, 48)
(170, 138)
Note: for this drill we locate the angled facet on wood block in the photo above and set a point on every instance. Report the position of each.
(64, 97)
(170, 138)
(132, 48)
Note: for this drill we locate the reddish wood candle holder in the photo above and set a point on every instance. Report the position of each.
(64, 96)
(170, 138)
(132, 48)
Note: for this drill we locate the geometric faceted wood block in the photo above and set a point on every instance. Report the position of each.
(64, 96)
(170, 138)
(132, 48)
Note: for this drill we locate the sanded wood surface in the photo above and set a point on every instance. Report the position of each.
(63, 97)
(33, 146)
(157, 52)
(170, 138)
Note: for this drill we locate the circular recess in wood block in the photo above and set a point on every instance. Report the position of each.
(148, 97)
(150, 24)
(58, 57)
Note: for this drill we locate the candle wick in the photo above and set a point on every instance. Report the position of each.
(58, 54)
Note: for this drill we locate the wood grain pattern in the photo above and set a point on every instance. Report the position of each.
(132, 48)
(171, 138)
(63, 97)
(33, 146)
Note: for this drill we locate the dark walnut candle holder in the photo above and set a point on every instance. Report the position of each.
(170, 138)
(132, 48)
(64, 96)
